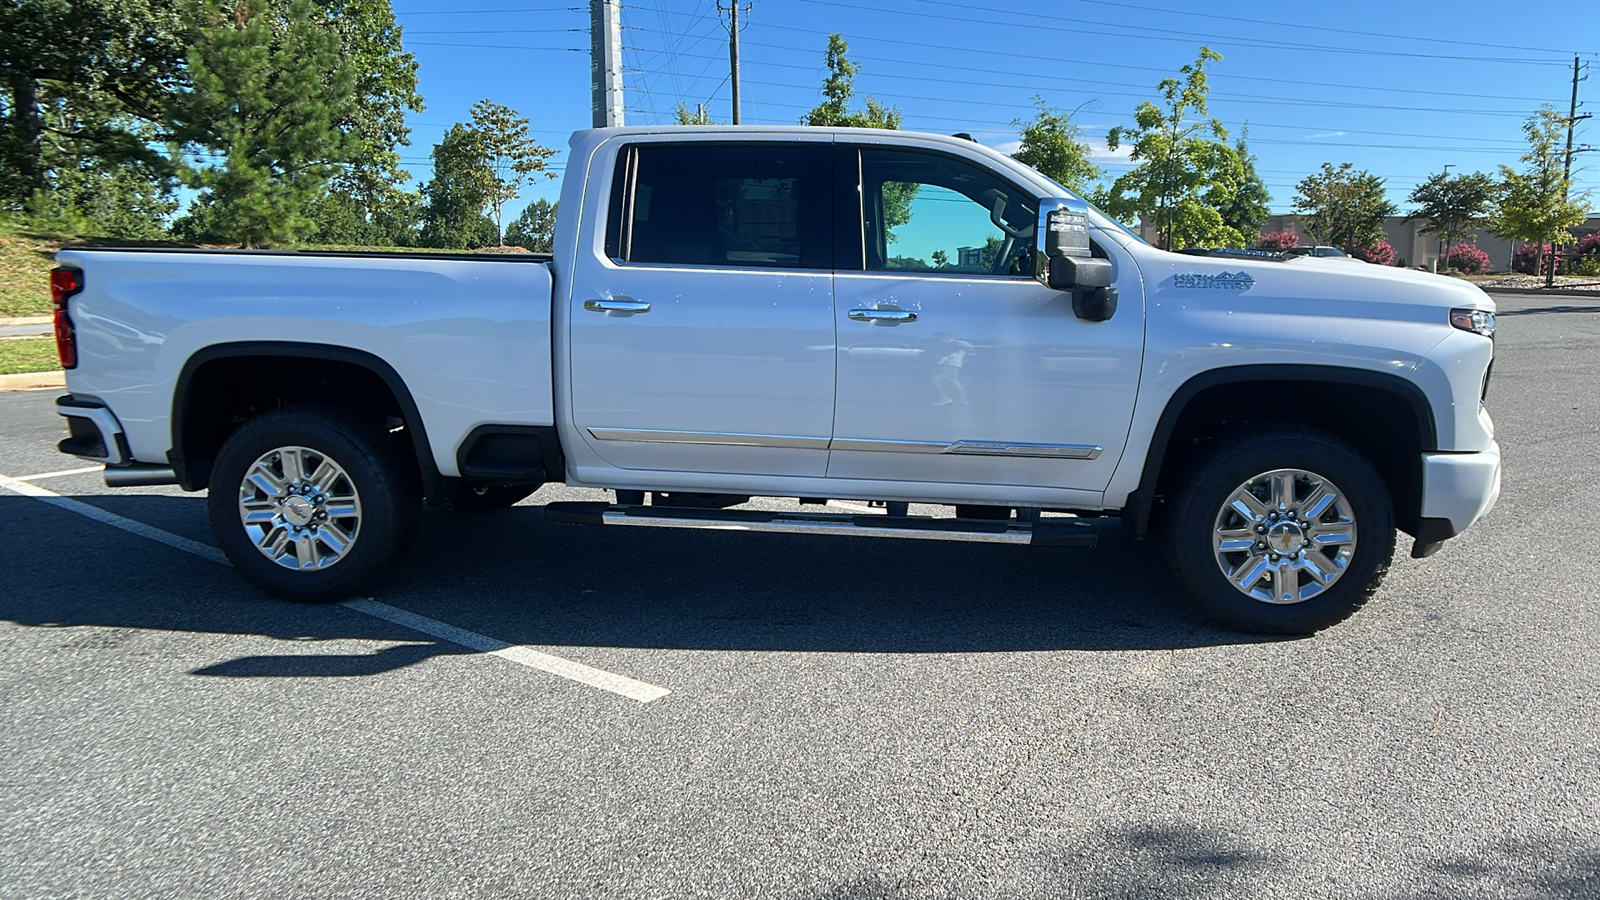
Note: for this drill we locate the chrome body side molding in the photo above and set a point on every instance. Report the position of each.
(712, 438)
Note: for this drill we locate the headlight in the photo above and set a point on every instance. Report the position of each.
(1477, 321)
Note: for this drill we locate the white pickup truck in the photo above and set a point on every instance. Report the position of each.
(805, 313)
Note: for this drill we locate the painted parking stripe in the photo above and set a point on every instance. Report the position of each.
(555, 665)
(204, 551)
(63, 472)
(642, 691)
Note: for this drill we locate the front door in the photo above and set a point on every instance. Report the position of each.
(702, 337)
(956, 366)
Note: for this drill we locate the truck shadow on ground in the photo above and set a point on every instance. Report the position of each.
(518, 579)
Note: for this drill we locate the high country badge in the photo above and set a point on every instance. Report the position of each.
(1229, 281)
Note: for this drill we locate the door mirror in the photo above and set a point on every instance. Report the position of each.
(1066, 261)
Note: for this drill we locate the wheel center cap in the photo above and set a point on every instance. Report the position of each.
(1285, 537)
(298, 511)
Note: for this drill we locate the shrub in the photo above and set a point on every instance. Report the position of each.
(1277, 240)
(1585, 258)
(1468, 258)
(1379, 254)
(1526, 257)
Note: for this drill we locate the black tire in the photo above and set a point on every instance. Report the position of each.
(481, 496)
(382, 474)
(1226, 466)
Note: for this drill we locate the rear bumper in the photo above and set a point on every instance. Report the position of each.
(94, 432)
(1458, 489)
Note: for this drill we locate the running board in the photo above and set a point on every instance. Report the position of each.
(1044, 533)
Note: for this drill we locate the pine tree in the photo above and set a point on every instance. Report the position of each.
(258, 131)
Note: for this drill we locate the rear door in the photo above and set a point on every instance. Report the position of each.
(955, 364)
(702, 337)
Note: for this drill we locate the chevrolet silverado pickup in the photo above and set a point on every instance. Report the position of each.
(806, 313)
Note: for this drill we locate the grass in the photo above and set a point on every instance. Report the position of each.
(31, 354)
(25, 260)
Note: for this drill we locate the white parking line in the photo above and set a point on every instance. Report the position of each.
(43, 475)
(642, 691)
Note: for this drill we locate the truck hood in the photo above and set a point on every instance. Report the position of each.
(1306, 284)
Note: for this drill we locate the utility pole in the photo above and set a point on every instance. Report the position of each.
(605, 62)
(1566, 174)
(733, 49)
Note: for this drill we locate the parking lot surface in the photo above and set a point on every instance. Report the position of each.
(831, 718)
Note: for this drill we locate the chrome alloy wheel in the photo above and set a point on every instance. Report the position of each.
(1284, 536)
(300, 508)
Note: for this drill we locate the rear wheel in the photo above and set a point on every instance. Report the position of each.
(1282, 530)
(312, 503)
(482, 496)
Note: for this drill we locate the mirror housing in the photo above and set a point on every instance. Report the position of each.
(1066, 262)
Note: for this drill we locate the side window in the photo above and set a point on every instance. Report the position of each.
(741, 204)
(924, 212)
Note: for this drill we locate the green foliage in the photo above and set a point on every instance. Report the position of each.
(1051, 146)
(1534, 204)
(698, 117)
(345, 220)
(510, 156)
(1454, 206)
(454, 200)
(837, 90)
(385, 89)
(84, 82)
(1248, 209)
(36, 354)
(258, 132)
(128, 202)
(834, 112)
(535, 228)
(1343, 207)
(1185, 170)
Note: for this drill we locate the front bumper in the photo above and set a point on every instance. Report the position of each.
(1458, 489)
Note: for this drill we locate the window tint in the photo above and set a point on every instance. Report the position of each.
(737, 204)
(924, 212)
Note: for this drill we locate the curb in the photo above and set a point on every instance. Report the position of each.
(30, 381)
(1548, 292)
(20, 321)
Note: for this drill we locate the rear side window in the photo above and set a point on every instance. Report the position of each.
(742, 205)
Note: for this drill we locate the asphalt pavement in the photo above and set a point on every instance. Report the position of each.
(840, 718)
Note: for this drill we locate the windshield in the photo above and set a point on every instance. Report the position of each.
(1068, 192)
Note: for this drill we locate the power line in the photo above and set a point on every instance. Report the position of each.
(1156, 34)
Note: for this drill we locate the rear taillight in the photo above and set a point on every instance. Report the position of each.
(65, 283)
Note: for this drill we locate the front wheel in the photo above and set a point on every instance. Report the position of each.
(1282, 530)
(312, 503)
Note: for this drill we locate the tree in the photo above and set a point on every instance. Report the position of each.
(1534, 204)
(1454, 206)
(510, 156)
(1051, 146)
(258, 131)
(1185, 168)
(834, 112)
(454, 199)
(1343, 207)
(385, 89)
(535, 228)
(82, 85)
(1248, 209)
(698, 117)
(839, 88)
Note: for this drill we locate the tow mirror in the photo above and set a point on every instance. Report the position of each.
(1067, 262)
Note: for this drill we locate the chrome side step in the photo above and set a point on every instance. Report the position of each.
(1044, 533)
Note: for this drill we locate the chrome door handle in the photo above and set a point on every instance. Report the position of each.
(882, 315)
(616, 305)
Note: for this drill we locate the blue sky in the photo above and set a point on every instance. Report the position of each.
(1398, 89)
